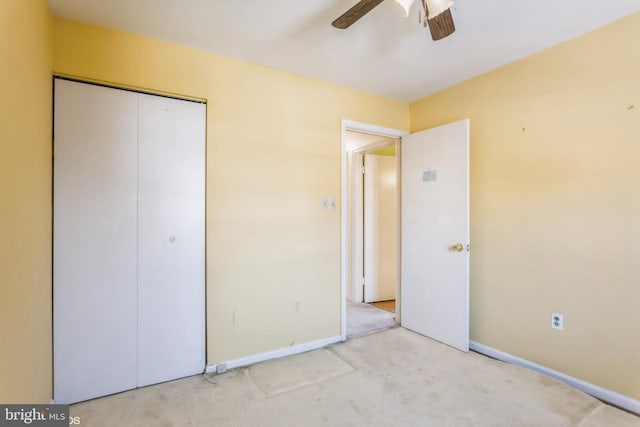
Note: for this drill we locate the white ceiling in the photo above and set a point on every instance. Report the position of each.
(382, 53)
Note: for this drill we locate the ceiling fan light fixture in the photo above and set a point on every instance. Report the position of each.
(436, 7)
(401, 7)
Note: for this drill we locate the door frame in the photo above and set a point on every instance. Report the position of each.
(346, 267)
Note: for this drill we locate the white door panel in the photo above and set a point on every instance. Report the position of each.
(435, 217)
(171, 239)
(94, 249)
(380, 228)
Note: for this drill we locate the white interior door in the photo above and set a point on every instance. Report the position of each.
(94, 241)
(435, 219)
(171, 236)
(380, 228)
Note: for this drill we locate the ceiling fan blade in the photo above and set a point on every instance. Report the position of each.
(442, 25)
(356, 12)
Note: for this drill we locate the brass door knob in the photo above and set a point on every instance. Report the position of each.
(458, 247)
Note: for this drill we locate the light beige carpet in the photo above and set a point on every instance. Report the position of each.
(363, 319)
(392, 378)
(302, 369)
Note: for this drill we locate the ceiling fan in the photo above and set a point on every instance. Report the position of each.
(437, 15)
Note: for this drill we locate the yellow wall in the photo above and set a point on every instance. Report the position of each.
(555, 203)
(273, 141)
(386, 151)
(25, 201)
(555, 185)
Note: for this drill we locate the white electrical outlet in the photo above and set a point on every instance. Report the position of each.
(557, 321)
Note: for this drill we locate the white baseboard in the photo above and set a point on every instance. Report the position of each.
(617, 399)
(275, 354)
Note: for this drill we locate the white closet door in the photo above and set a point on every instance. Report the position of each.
(171, 236)
(94, 249)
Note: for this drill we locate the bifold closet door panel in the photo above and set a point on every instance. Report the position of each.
(94, 242)
(171, 316)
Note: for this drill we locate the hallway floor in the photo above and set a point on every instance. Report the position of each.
(389, 306)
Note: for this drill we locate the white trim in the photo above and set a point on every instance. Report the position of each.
(617, 399)
(373, 129)
(367, 149)
(275, 354)
(344, 267)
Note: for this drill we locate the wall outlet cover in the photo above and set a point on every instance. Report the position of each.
(557, 321)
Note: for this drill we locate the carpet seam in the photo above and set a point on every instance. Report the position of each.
(590, 414)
